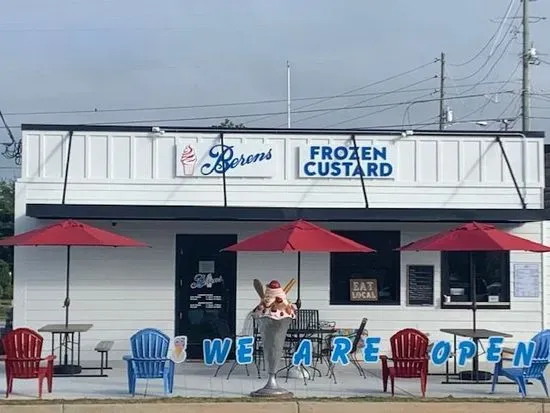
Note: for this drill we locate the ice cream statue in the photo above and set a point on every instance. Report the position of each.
(274, 314)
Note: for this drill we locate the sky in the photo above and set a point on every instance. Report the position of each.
(354, 63)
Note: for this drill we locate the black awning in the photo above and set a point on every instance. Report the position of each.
(235, 213)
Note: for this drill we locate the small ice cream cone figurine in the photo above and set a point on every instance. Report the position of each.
(179, 353)
(188, 160)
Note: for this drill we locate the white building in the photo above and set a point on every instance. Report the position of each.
(130, 179)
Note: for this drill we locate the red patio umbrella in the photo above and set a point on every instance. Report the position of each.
(471, 237)
(70, 233)
(298, 236)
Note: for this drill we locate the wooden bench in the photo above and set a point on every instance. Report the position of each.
(103, 348)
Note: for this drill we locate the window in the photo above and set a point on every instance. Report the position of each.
(384, 266)
(492, 269)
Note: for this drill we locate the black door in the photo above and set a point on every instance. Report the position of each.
(206, 284)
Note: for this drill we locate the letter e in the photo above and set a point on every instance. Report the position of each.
(371, 352)
(245, 349)
(494, 351)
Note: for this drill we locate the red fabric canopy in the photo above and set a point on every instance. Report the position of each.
(70, 233)
(475, 236)
(298, 236)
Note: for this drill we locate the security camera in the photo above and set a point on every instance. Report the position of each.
(156, 129)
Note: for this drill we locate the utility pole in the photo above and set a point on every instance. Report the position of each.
(526, 56)
(442, 93)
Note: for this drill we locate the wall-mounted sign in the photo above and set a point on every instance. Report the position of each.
(361, 289)
(328, 161)
(205, 280)
(527, 280)
(420, 285)
(238, 160)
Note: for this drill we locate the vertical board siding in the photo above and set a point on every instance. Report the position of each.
(452, 171)
(123, 290)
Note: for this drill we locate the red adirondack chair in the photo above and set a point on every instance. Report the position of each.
(23, 356)
(409, 356)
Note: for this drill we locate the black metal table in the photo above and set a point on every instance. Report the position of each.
(476, 335)
(67, 344)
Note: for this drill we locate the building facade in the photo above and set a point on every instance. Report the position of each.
(188, 193)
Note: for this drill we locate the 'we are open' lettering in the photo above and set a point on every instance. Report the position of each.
(216, 351)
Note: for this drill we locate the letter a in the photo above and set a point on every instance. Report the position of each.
(303, 354)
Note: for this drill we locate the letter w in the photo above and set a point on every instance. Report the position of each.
(215, 351)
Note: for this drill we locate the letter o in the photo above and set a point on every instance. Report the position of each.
(440, 352)
(340, 153)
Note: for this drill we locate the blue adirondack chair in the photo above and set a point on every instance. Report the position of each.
(149, 359)
(535, 371)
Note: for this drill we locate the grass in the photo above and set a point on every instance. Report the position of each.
(217, 400)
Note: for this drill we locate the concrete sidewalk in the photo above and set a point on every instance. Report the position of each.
(194, 380)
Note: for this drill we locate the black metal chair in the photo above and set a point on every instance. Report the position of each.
(357, 337)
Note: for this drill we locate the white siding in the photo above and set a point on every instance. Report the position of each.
(123, 290)
(140, 168)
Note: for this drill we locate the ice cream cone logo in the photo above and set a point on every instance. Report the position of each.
(179, 353)
(188, 160)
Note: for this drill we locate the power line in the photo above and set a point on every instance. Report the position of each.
(479, 109)
(245, 115)
(488, 59)
(492, 67)
(488, 41)
(367, 100)
(346, 94)
(373, 113)
(244, 103)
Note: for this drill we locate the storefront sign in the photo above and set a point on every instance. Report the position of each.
(216, 351)
(327, 161)
(213, 160)
(205, 280)
(363, 289)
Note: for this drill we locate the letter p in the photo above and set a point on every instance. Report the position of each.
(466, 350)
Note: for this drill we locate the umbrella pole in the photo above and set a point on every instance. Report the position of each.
(474, 292)
(66, 305)
(298, 301)
(67, 299)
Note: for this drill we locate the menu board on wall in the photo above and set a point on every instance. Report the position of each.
(527, 280)
(420, 285)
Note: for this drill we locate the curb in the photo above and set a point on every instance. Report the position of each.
(295, 406)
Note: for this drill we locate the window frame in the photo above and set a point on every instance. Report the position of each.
(444, 286)
(393, 303)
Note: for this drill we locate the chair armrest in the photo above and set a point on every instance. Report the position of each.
(127, 357)
(51, 357)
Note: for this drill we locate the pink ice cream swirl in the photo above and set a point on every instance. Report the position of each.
(188, 156)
